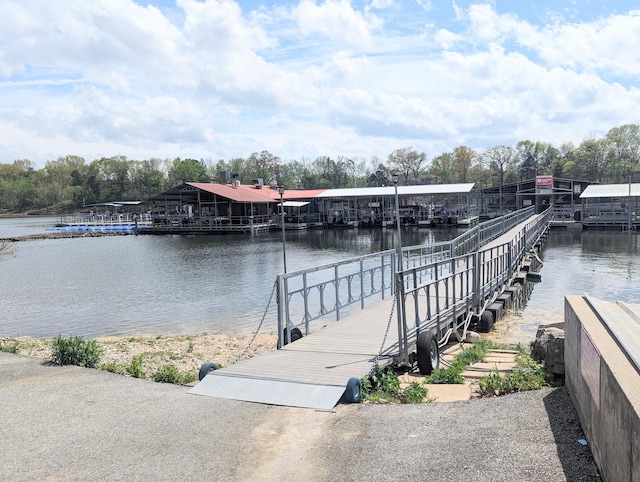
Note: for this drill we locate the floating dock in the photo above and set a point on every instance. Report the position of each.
(316, 370)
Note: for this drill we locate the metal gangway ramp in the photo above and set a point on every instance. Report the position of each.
(363, 312)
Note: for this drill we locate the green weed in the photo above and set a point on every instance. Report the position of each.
(528, 375)
(135, 367)
(170, 374)
(383, 384)
(75, 350)
(414, 393)
(445, 376)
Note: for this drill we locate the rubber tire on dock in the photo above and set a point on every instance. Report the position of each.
(427, 353)
(353, 393)
(205, 369)
(296, 334)
(486, 321)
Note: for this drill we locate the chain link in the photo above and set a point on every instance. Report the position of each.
(255, 334)
(384, 340)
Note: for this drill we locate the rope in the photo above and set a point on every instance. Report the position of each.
(255, 333)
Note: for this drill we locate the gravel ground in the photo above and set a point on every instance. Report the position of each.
(70, 423)
(185, 352)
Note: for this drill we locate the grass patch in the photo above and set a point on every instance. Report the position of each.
(445, 376)
(170, 374)
(74, 350)
(527, 375)
(383, 386)
(114, 368)
(452, 374)
(12, 346)
(414, 393)
(135, 367)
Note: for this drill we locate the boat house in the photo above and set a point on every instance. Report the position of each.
(235, 207)
(610, 205)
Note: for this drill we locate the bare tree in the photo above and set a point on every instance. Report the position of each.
(500, 159)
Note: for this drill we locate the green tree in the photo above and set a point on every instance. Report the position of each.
(408, 162)
(18, 191)
(441, 170)
(187, 170)
(623, 150)
(463, 158)
(528, 154)
(501, 159)
(591, 155)
(109, 179)
(147, 179)
(265, 166)
(570, 168)
(550, 161)
(380, 175)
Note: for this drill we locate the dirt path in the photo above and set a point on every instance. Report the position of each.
(291, 454)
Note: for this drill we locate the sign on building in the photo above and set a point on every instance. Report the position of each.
(544, 181)
(544, 184)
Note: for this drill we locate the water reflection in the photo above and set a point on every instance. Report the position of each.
(602, 264)
(191, 284)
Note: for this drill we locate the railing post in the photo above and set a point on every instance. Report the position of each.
(476, 280)
(382, 275)
(336, 281)
(306, 303)
(281, 313)
(402, 332)
(361, 284)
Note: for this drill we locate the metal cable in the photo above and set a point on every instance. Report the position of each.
(255, 334)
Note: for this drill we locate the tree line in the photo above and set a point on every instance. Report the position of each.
(70, 182)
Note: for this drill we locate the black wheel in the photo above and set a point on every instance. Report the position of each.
(354, 391)
(427, 353)
(486, 321)
(296, 334)
(205, 369)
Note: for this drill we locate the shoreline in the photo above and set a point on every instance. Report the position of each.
(186, 352)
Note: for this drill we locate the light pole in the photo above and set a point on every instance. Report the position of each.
(394, 178)
(284, 244)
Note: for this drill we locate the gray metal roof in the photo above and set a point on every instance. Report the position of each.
(610, 190)
(425, 189)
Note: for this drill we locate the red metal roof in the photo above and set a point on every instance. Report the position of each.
(242, 193)
(302, 194)
(248, 193)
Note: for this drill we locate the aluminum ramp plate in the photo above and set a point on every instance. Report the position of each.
(272, 392)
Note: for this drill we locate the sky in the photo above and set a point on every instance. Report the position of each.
(219, 79)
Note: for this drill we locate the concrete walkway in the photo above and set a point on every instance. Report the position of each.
(70, 423)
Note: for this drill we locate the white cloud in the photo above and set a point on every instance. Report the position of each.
(336, 20)
(111, 77)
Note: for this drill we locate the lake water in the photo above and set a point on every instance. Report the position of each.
(125, 285)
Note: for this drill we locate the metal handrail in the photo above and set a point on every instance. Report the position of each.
(336, 289)
(449, 289)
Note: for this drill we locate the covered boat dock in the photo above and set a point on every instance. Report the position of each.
(610, 206)
(221, 208)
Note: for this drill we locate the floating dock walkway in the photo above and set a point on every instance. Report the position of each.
(438, 294)
(313, 371)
